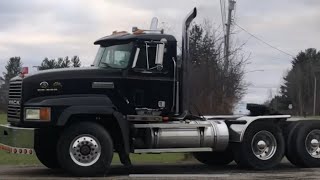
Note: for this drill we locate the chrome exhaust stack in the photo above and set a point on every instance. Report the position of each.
(184, 77)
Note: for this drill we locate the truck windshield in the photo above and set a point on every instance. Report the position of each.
(114, 56)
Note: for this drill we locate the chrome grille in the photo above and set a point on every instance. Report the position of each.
(14, 101)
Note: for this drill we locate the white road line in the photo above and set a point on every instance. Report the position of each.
(179, 175)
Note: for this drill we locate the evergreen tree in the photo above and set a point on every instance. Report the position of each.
(299, 84)
(13, 68)
(48, 64)
(75, 60)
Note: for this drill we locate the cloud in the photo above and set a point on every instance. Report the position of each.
(35, 29)
(290, 26)
(74, 24)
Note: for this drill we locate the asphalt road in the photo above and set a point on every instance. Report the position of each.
(168, 171)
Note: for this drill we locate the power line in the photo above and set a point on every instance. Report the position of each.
(262, 87)
(261, 40)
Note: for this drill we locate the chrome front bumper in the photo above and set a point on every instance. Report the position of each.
(17, 140)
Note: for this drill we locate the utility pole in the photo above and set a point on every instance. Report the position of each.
(227, 42)
(228, 29)
(315, 95)
(315, 71)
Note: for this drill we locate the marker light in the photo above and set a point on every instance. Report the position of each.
(45, 114)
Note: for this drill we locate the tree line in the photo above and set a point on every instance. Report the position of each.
(13, 68)
(299, 94)
(60, 63)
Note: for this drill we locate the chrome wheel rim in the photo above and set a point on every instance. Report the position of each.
(312, 143)
(264, 145)
(85, 150)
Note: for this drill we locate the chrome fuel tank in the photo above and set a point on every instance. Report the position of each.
(192, 134)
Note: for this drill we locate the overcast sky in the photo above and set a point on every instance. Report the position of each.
(35, 29)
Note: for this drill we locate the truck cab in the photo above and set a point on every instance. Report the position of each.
(125, 72)
(146, 80)
(134, 99)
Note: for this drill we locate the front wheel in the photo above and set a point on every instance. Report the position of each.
(263, 146)
(85, 149)
(48, 157)
(46, 148)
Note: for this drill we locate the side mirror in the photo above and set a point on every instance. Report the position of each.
(160, 53)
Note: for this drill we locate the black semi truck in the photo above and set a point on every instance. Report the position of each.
(133, 100)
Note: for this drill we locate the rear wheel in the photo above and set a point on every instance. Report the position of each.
(263, 146)
(306, 142)
(215, 158)
(290, 136)
(85, 149)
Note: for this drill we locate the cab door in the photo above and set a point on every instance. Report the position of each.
(149, 85)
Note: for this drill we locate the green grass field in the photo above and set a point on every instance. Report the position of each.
(10, 159)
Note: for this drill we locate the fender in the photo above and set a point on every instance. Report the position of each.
(65, 106)
(237, 131)
(100, 110)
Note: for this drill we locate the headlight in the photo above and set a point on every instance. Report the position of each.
(32, 114)
(42, 114)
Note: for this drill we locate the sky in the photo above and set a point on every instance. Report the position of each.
(35, 29)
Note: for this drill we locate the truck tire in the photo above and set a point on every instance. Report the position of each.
(85, 149)
(306, 142)
(45, 147)
(215, 158)
(262, 147)
(290, 137)
(48, 157)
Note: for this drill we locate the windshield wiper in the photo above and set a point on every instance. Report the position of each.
(106, 65)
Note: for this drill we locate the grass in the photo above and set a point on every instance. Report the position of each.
(10, 159)
(3, 118)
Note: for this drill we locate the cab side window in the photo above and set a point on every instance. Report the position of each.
(146, 62)
(147, 58)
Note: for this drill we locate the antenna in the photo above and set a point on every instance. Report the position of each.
(154, 24)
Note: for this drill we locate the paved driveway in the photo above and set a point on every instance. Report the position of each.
(168, 171)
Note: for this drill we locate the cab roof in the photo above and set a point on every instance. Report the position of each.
(132, 37)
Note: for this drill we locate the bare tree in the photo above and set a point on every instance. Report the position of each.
(216, 88)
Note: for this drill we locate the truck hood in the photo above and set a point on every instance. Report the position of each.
(66, 81)
(71, 73)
